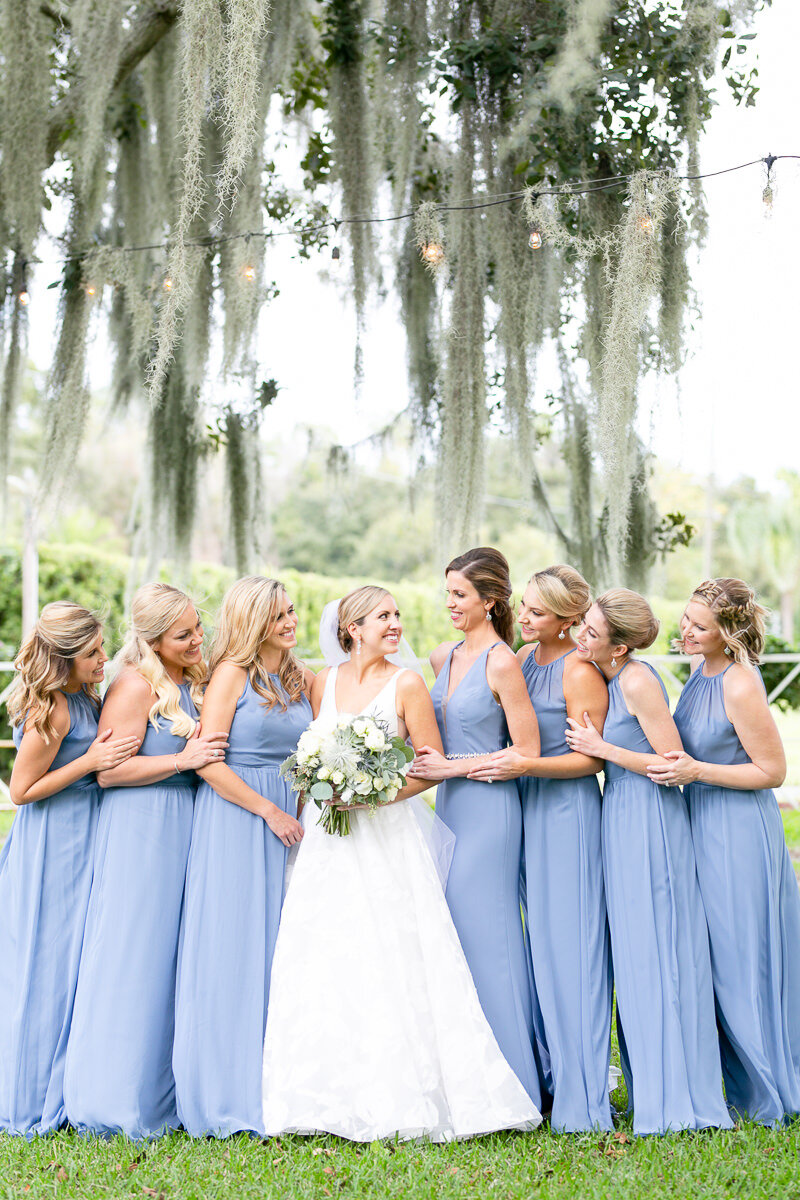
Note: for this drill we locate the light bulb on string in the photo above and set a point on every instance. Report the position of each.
(90, 289)
(23, 299)
(646, 223)
(249, 273)
(336, 258)
(432, 253)
(768, 195)
(167, 285)
(535, 240)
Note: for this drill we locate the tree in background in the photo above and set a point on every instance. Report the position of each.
(151, 122)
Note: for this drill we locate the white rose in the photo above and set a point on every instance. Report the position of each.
(323, 773)
(391, 792)
(364, 787)
(375, 739)
(361, 726)
(337, 778)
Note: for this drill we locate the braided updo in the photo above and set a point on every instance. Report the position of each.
(741, 620)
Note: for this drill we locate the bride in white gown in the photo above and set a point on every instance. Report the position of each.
(374, 1028)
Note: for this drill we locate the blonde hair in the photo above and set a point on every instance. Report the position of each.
(355, 607)
(563, 590)
(630, 619)
(156, 607)
(250, 608)
(741, 620)
(64, 632)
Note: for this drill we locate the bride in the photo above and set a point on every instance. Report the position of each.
(374, 1028)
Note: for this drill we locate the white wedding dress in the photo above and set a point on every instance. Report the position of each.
(374, 1028)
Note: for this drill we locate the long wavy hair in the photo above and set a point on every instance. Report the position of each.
(155, 608)
(487, 570)
(64, 632)
(250, 608)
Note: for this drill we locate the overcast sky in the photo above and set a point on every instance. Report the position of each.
(736, 409)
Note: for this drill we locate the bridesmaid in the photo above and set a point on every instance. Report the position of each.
(244, 820)
(561, 806)
(662, 967)
(46, 863)
(733, 759)
(481, 703)
(118, 1075)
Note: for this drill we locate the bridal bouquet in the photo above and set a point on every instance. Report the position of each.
(356, 761)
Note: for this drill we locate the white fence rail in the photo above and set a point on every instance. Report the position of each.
(664, 662)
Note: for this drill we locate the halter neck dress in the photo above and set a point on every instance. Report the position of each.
(483, 888)
(752, 905)
(659, 943)
(232, 908)
(565, 903)
(374, 1028)
(118, 1076)
(45, 879)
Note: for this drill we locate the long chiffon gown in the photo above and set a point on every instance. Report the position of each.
(45, 879)
(374, 1028)
(118, 1076)
(566, 909)
(659, 943)
(752, 905)
(483, 888)
(232, 908)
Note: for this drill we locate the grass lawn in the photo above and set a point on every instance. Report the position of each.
(749, 1161)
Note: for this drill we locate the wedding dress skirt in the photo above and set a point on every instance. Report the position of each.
(374, 1026)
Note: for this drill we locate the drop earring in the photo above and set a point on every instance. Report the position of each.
(488, 614)
(561, 636)
(613, 662)
(358, 646)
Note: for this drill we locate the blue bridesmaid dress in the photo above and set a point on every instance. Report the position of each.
(118, 1075)
(752, 906)
(45, 879)
(232, 908)
(566, 909)
(483, 889)
(659, 943)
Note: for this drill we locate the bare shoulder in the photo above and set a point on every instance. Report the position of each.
(439, 655)
(130, 685)
(318, 682)
(743, 684)
(411, 686)
(228, 675)
(525, 652)
(308, 679)
(639, 682)
(503, 662)
(583, 673)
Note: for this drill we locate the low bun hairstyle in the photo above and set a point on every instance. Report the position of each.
(64, 632)
(487, 570)
(740, 618)
(630, 619)
(564, 591)
(354, 607)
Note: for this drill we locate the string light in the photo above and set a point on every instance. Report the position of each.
(768, 194)
(23, 298)
(336, 258)
(249, 273)
(168, 284)
(433, 253)
(535, 240)
(90, 290)
(646, 224)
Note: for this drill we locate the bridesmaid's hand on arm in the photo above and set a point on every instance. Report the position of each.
(219, 706)
(505, 678)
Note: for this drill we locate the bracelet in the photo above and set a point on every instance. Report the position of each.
(471, 754)
(177, 768)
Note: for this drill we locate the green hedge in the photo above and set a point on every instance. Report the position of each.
(98, 581)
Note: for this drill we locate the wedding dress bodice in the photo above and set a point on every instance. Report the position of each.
(382, 707)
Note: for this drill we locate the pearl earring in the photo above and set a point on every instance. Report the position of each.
(613, 662)
(488, 614)
(727, 649)
(561, 636)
